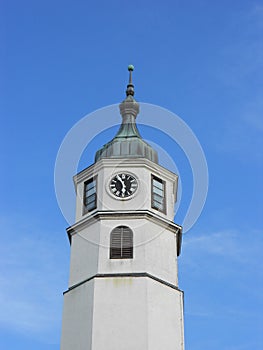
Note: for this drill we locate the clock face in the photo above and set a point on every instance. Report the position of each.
(123, 185)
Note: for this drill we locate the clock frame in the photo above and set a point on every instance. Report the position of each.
(123, 185)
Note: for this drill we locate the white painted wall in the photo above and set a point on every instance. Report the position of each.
(123, 313)
(165, 317)
(77, 321)
(154, 251)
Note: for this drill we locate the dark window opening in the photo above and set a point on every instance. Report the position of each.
(158, 194)
(90, 195)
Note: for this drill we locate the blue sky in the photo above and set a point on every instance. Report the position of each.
(202, 60)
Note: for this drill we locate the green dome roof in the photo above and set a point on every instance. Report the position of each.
(128, 142)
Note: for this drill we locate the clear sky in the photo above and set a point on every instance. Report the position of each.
(202, 60)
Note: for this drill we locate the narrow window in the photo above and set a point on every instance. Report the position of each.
(158, 194)
(121, 243)
(90, 195)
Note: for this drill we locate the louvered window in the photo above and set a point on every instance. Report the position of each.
(90, 194)
(158, 194)
(121, 243)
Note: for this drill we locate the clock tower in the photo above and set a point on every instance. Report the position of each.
(123, 289)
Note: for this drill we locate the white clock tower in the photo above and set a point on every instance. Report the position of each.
(123, 287)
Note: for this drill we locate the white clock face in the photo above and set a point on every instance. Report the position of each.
(123, 185)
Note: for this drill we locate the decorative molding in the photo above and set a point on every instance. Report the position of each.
(131, 214)
(123, 275)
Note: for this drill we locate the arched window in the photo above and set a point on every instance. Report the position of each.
(121, 243)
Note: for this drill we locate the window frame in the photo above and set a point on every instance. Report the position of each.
(163, 196)
(121, 251)
(90, 180)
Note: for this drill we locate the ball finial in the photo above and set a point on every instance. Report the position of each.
(130, 67)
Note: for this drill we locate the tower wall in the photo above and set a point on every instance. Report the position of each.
(142, 169)
(77, 320)
(154, 251)
(123, 313)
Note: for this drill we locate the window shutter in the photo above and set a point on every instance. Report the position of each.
(127, 243)
(121, 243)
(115, 244)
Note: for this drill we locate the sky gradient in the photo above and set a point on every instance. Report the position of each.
(202, 60)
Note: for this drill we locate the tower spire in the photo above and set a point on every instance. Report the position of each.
(128, 142)
(130, 86)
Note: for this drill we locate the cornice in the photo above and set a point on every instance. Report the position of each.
(131, 214)
(124, 275)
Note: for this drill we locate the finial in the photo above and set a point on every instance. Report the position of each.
(130, 86)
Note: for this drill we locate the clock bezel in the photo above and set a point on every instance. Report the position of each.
(126, 173)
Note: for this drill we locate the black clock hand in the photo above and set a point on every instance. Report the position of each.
(122, 182)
